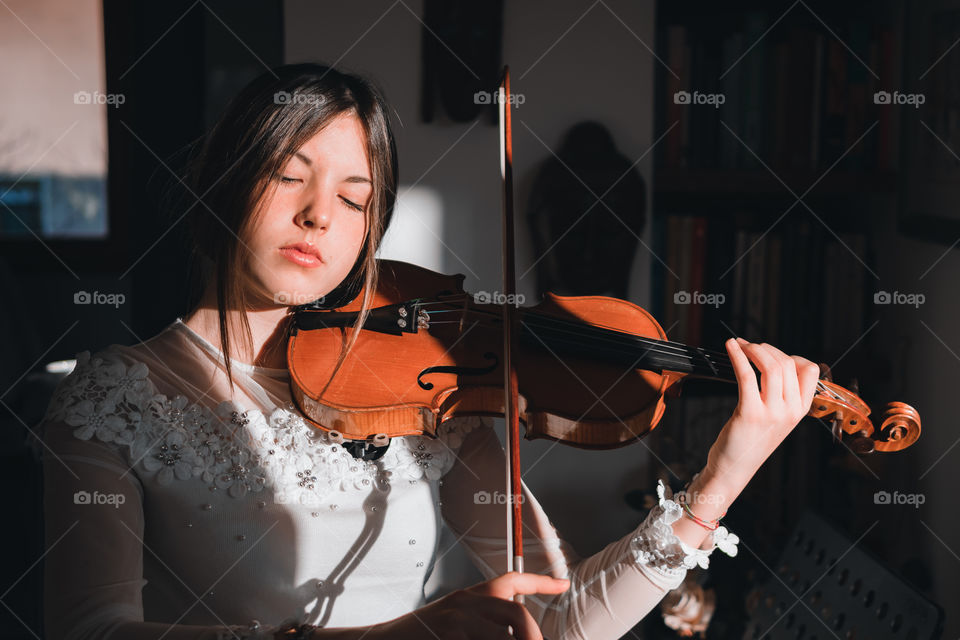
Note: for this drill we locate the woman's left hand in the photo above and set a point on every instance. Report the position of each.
(764, 415)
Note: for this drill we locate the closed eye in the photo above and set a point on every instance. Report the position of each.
(352, 205)
(348, 203)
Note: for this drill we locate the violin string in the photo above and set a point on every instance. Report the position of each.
(618, 349)
(676, 358)
(619, 341)
(723, 360)
(661, 346)
(616, 343)
(724, 368)
(682, 349)
(596, 336)
(656, 346)
(663, 343)
(724, 363)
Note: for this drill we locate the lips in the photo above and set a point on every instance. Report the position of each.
(302, 254)
(304, 247)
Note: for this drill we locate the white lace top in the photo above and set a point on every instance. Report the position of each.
(173, 510)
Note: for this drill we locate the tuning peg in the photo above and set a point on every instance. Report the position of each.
(836, 430)
(854, 386)
(862, 444)
(825, 373)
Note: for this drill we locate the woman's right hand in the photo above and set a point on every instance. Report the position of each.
(480, 612)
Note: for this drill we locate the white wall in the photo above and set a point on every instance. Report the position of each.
(598, 69)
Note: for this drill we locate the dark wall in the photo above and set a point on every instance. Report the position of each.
(177, 63)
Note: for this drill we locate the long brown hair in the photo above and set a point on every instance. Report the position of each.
(234, 164)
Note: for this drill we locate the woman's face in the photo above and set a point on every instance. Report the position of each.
(318, 203)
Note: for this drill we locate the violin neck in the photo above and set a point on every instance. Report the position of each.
(700, 363)
(624, 348)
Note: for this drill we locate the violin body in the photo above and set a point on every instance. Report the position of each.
(413, 381)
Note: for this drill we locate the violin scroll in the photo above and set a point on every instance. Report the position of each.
(900, 427)
(849, 414)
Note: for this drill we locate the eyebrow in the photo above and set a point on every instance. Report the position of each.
(352, 179)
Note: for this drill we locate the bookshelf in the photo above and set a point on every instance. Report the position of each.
(798, 119)
(674, 185)
(765, 181)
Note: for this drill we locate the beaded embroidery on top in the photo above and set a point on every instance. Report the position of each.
(656, 545)
(236, 450)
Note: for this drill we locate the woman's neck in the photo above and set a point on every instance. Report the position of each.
(268, 328)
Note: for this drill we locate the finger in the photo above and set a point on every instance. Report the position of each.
(513, 582)
(808, 375)
(506, 612)
(771, 377)
(746, 378)
(788, 370)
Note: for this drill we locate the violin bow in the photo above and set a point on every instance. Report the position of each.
(510, 389)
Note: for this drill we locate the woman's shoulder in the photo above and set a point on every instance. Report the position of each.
(111, 394)
(112, 377)
(120, 397)
(95, 376)
(103, 394)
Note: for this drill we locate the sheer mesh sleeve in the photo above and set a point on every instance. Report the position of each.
(610, 591)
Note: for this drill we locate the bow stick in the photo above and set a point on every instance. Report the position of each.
(511, 401)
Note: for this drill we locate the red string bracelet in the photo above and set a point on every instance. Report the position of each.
(706, 524)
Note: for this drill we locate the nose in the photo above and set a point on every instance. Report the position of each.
(314, 217)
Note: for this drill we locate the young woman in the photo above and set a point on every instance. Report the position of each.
(187, 498)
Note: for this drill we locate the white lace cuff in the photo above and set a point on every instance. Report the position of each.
(656, 546)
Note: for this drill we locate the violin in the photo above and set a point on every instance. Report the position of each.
(594, 372)
(589, 371)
